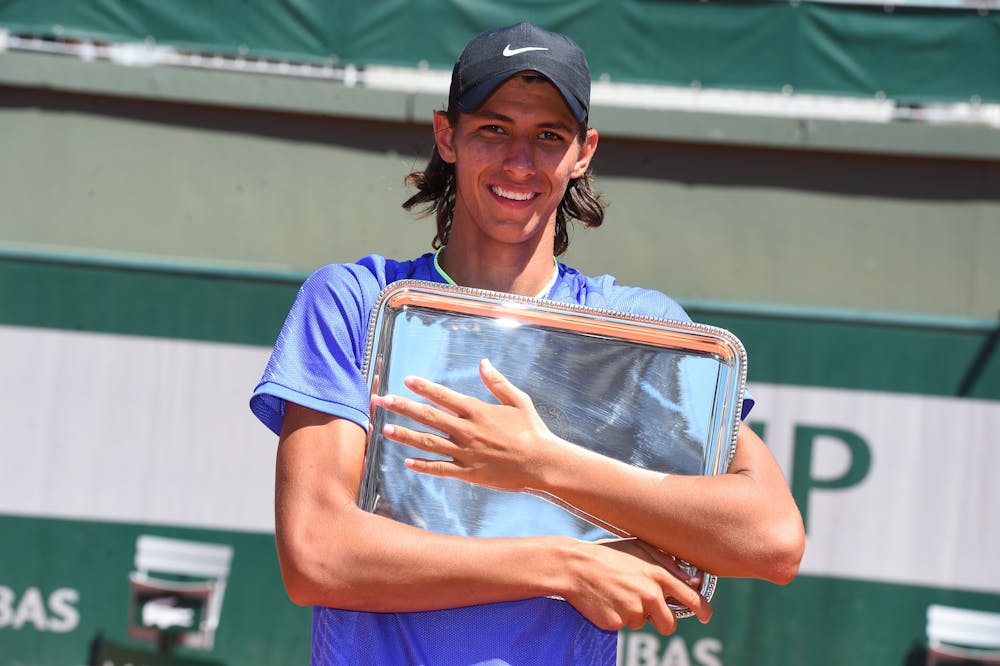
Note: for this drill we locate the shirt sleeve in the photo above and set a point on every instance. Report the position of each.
(748, 402)
(318, 356)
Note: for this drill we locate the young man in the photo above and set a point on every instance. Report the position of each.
(510, 169)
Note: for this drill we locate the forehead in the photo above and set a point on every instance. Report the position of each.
(529, 91)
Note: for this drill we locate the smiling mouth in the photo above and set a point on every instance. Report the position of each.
(513, 196)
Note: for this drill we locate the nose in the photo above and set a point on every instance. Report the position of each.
(519, 159)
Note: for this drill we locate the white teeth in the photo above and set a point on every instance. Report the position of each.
(516, 196)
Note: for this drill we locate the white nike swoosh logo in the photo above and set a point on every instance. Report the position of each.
(508, 52)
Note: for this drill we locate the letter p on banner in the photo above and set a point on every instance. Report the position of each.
(807, 440)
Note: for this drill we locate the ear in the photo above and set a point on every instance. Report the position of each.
(444, 137)
(587, 150)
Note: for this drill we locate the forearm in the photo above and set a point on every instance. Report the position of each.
(366, 562)
(743, 523)
(361, 561)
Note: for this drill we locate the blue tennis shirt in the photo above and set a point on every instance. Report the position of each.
(317, 362)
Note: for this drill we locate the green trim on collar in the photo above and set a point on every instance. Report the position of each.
(437, 267)
(541, 294)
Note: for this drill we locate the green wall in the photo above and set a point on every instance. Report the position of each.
(747, 219)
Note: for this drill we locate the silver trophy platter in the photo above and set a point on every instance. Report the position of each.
(662, 395)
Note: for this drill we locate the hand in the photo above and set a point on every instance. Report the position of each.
(503, 446)
(626, 583)
(654, 555)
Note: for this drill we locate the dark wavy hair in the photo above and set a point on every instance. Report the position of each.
(436, 194)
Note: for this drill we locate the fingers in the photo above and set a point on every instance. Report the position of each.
(424, 441)
(428, 415)
(649, 592)
(440, 395)
(662, 618)
(682, 591)
(676, 585)
(444, 468)
(669, 562)
(653, 554)
(676, 591)
(377, 376)
(458, 403)
(693, 601)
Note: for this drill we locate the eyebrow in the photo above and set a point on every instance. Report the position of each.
(494, 115)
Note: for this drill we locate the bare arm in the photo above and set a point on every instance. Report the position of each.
(743, 523)
(332, 553)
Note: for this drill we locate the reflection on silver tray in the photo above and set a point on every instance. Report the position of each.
(661, 395)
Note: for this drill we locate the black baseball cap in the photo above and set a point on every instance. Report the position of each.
(494, 56)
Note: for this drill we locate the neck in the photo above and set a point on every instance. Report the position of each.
(506, 269)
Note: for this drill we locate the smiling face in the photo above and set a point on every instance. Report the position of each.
(514, 158)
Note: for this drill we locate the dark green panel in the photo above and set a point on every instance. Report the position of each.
(823, 621)
(299, 30)
(258, 624)
(862, 355)
(120, 299)
(815, 620)
(743, 45)
(910, 54)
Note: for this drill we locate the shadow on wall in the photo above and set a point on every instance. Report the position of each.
(881, 176)
(854, 174)
(381, 137)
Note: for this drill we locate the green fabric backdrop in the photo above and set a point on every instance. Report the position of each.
(911, 54)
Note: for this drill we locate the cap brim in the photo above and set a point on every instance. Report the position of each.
(478, 94)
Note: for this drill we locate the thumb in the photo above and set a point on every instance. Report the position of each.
(499, 385)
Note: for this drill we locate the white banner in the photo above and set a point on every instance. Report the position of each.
(134, 429)
(923, 508)
(895, 488)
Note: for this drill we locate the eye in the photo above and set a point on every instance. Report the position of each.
(549, 135)
(492, 129)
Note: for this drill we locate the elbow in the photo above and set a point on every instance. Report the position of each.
(786, 546)
(784, 567)
(298, 587)
(309, 573)
(300, 581)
